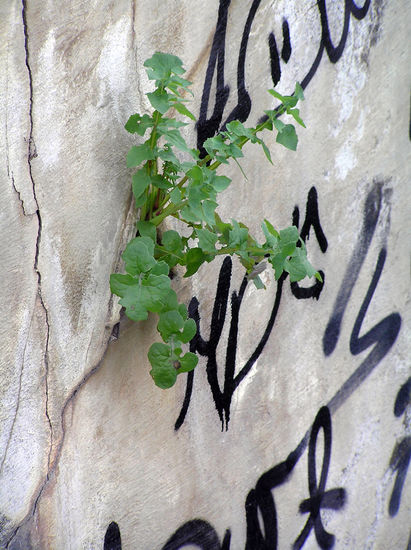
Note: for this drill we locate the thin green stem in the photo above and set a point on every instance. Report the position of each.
(169, 211)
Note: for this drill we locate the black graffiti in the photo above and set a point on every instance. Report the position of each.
(401, 455)
(112, 539)
(384, 334)
(260, 502)
(223, 396)
(312, 219)
(319, 497)
(380, 338)
(274, 55)
(200, 533)
(208, 127)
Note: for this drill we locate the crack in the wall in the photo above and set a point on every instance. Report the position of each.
(31, 149)
(16, 190)
(53, 456)
(32, 153)
(52, 466)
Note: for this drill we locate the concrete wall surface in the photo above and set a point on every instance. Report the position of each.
(294, 431)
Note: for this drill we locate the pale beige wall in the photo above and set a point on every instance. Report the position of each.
(86, 439)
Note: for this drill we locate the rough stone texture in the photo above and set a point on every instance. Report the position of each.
(85, 437)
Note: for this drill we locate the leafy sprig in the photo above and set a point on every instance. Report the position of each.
(164, 185)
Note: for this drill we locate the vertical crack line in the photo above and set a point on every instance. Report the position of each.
(31, 153)
(53, 465)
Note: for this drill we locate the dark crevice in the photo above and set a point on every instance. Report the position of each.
(31, 153)
(31, 148)
(15, 189)
(53, 465)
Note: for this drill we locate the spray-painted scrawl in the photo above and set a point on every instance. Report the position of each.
(260, 509)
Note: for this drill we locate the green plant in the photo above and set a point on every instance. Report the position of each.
(185, 186)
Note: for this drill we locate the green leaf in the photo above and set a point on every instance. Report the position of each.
(271, 229)
(236, 127)
(149, 293)
(288, 239)
(139, 124)
(161, 268)
(160, 181)
(258, 282)
(277, 261)
(139, 255)
(141, 180)
(167, 154)
(182, 308)
(176, 139)
(139, 153)
(171, 322)
(298, 266)
(299, 93)
(191, 215)
(167, 123)
(164, 378)
(160, 100)
(139, 201)
(119, 283)
(270, 233)
(296, 114)
(286, 246)
(196, 174)
(207, 240)
(147, 229)
(286, 100)
(162, 65)
(172, 249)
(209, 211)
(222, 228)
(175, 195)
(182, 109)
(238, 235)
(172, 240)
(194, 259)
(221, 151)
(178, 81)
(188, 362)
(135, 308)
(170, 301)
(189, 331)
(279, 124)
(155, 289)
(159, 355)
(277, 95)
(162, 372)
(288, 137)
(266, 151)
(220, 183)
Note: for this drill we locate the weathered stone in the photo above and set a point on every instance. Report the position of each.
(299, 431)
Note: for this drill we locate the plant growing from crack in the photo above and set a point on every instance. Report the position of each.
(164, 186)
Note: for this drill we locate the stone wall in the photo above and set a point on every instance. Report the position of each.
(295, 429)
